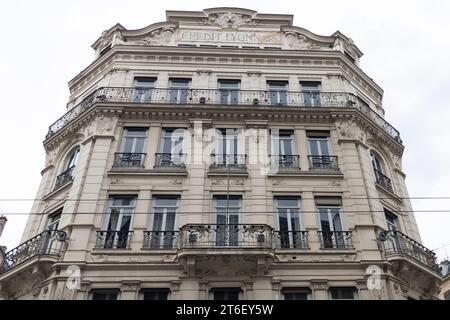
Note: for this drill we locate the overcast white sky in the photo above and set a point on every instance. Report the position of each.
(44, 44)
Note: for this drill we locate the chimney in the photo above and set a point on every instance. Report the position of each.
(2, 224)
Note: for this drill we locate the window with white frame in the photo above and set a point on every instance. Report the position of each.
(143, 89)
(72, 158)
(132, 148)
(227, 211)
(163, 221)
(118, 222)
(228, 146)
(343, 293)
(229, 91)
(330, 223)
(171, 147)
(282, 148)
(278, 92)
(133, 140)
(179, 90)
(311, 93)
(288, 222)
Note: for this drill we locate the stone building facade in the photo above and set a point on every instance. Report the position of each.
(222, 154)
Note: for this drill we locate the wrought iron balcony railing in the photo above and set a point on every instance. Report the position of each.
(219, 236)
(113, 239)
(228, 161)
(216, 97)
(154, 240)
(291, 239)
(383, 180)
(284, 161)
(49, 242)
(396, 243)
(335, 239)
(323, 162)
(129, 160)
(170, 160)
(64, 178)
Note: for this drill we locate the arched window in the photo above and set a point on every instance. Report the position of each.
(380, 172)
(67, 170)
(72, 158)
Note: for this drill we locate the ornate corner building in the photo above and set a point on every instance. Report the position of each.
(222, 154)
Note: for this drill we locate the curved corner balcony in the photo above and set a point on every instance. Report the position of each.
(398, 246)
(254, 98)
(46, 246)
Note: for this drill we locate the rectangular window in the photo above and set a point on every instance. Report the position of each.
(134, 140)
(282, 153)
(331, 226)
(229, 91)
(296, 294)
(53, 220)
(311, 93)
(343, 293)
(155, 294)
(319, 150)
(179, 90)
(391, 220)
(104, 294)
(226, 294)
(143, 89)
(117, 226)
(278, 92)
(227, 211)
(282, 142)
(163, 221)
(132, 148)
(228, 144)
(172, 140)
(288, 222)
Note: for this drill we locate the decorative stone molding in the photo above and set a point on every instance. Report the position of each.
(224, 181)
(158, 37)
(319, 284)
(229, 20)
(299, 41)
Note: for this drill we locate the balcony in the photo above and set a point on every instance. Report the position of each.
(170, 160)
(49, 244)
(113, 240)
(64, 178)
(252, 98)
(228, 163)
(383, 180)
(284, 162)
(129, 160)
(161, 240)
(323, 163)
(226, 236)
(291, 240)
(398, 245)
(335, 239)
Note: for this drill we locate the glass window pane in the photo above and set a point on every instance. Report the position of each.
(313, 147)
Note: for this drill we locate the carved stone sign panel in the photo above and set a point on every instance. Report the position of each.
(231, 36)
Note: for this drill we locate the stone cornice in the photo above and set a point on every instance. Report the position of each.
(292, 115)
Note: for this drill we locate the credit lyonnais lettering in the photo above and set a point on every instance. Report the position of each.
(231, 37)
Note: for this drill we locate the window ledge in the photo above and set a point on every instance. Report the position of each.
(53, 192)
(147, 172)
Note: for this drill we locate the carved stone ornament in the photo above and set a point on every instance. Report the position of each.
(296, 40)
(351, 130)
(229, 20)
(158, 37)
